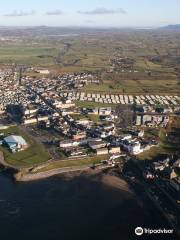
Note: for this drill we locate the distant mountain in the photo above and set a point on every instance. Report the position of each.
(172, 27)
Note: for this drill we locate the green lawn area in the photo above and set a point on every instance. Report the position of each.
(165, 146)
(151, 132)
(86, 104)
(73, 163)
(39, 54)
(35, 153)
(91, 117)
(152, 153)
(135, 87)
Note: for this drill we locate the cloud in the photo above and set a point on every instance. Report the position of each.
(102, 11)
(54, 12)
(16, 13)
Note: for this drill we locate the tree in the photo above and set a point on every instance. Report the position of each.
(125, 116)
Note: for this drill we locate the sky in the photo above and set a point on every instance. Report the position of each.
(92, 13)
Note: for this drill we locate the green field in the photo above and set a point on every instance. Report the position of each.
(154, 58)
(135, 87)
(35, 153)
(73, 163)
(91, 117)
(29, 54)
(86, 104)
(165, 146)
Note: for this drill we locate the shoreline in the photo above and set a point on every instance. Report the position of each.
(30, 174)
(26, 174)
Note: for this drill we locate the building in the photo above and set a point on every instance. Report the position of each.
(79, 135)
(102, 151)
(135, 147)
(177, 164)
(115, 150)
(158, 166)
(97, 145)
(132, 146)
(69, 144)
(105, 111)
(43, 71)
(138, 120)
(15, 143)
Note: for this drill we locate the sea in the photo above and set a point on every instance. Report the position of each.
(74, 207)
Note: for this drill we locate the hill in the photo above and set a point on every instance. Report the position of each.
(172, 27)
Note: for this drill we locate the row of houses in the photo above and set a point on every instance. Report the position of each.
(123, 99)
(152, 120)
(167, 170)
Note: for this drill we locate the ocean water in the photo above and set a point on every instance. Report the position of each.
(75, 208)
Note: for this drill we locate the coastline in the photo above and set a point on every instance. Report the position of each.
(30, 176)
(26, 174)
(34, 173)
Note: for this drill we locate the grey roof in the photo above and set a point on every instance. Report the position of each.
(15, 139)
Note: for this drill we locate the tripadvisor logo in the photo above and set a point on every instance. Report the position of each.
(140, 231)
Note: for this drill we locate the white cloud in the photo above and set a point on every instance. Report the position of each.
(21, 13)
(102, 11)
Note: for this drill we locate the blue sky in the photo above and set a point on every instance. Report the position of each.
(94, 13)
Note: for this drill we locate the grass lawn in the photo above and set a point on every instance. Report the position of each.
(32, 55)
(92, 117)
(152, 154)
(135, 87)
(86, 104)
(165, 146)
(35, 153)
(73, 163)
(151, 132)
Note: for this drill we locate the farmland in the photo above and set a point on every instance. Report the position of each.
(127, 61)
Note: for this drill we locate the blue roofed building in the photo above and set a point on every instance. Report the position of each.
(15, 143)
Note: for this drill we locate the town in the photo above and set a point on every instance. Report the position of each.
(51, 103)
(90, 120)
(92, 129)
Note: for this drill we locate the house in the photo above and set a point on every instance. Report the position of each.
(140, 133)
(79, 135)
(132, 146)
(177, 164)
(124, 137)
(43, 118)
(83, 122)
(68, 144)
(29, 121)
(43, 71)
(115, 150)
(138, 120)
(102, 151)
(15, 143)
(158, 166)
(148, 175)
(30, 111)
(105, 111)
(96, 145)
